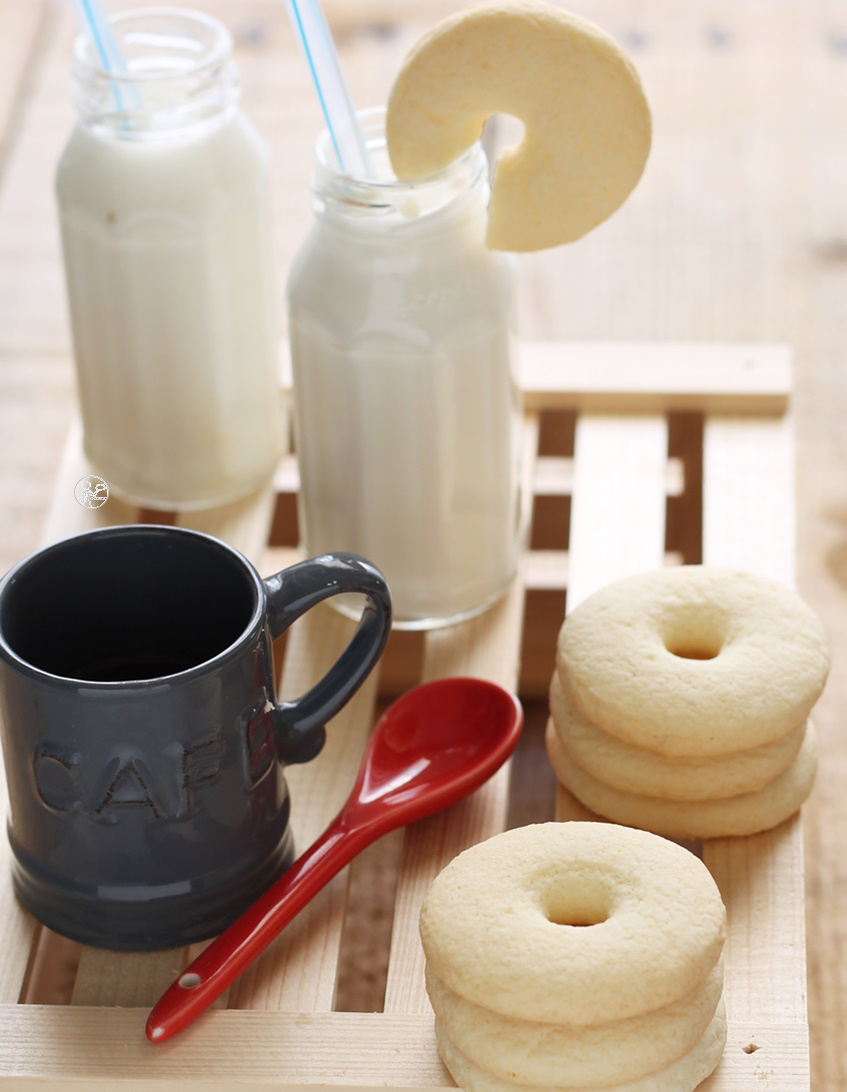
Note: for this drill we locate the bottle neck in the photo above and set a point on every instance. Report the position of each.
(179, 77)
(383, 205)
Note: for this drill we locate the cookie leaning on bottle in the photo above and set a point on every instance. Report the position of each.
(587, 122)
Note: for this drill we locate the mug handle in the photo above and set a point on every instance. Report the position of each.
(292, 592)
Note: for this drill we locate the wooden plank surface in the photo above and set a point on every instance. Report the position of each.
(605, 378)
(620, 466)
(486, 647)
(737, 232)
(749, 521)
(618, 507)
(748, 496)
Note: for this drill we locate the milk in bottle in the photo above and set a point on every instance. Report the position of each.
(164, 207)
(407, 412)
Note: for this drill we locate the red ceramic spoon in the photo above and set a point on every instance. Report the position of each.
(431, 748)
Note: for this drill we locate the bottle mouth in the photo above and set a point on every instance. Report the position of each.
(158, 44)
(385, 191)
(174, 71)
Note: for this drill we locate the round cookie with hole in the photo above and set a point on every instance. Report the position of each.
(684, 1074)
(573, 923)
(731, 816)
(694, 661)
(598, 1054)
(631, 769)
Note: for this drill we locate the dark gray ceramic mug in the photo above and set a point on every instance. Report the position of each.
(142, 736)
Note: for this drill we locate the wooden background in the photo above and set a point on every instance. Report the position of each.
(738, 231)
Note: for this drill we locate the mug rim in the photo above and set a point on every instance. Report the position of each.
(153, 530)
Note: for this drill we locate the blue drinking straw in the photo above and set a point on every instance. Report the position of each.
(102, 41)
(314, 36)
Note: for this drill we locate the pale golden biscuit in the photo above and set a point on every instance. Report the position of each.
(573, 923)
(587, 123)
(748, 813)
(682, 1075)
(694, 661)
(598, 1055)
(633, 769)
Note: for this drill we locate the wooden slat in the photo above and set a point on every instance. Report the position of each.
(487, 647)
(748, 496)
(131, 979)
(244, 524)
(554, 477)
(51, 975)
(618, 507)
(226, 1050)
(604, 378)
(126, 979)
(298, 971)
(546, 570)
(762, 1057)
(749, 522)
(620, 477)
(428, 847)
(18, 931)
(761, 882)
(45, 1047)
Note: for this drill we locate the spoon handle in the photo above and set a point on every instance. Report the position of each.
(234, 950)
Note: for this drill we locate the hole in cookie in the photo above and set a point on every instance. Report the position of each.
(694, 651)
(694, 629)
(582, 907)
(695, 634)
(500, 133)
(581, 921)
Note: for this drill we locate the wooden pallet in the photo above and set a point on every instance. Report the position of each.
(636, 455)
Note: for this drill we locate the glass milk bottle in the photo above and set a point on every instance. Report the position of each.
(164, 205)
(406, 408)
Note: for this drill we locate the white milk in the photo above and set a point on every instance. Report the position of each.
(407, 413)
(164, 205)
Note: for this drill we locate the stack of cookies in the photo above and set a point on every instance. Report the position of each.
(680, 702)
(576, 956)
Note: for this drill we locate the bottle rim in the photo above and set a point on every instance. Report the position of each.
(347, 192)
(218, 51)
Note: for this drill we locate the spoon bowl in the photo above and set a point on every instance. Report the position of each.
(434, 745)
(430, 749)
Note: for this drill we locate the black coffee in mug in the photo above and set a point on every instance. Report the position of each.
(142, 736)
